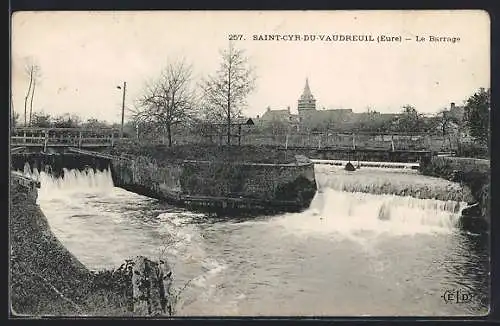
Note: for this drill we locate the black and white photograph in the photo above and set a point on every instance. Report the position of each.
(209, 163)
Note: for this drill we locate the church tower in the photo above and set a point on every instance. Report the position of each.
(306, 100)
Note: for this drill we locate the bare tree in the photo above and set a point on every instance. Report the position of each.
(31, 101)
(168, 100)
(226, 91)
(33, 72)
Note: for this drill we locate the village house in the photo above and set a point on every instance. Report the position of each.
(311, 119)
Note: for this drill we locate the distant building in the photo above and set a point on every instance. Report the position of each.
(306, 102)
(276, 115)
(457, 111)
(310, 118)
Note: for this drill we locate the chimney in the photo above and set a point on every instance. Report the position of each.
(257, 116)
(268, 108)
(452, 105)
(288, 109)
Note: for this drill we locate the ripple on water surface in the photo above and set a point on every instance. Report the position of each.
(351, 253)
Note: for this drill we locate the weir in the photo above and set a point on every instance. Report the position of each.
(330, 208)
(239, 188)
(358, 229)
(359, 164)
(212, 186)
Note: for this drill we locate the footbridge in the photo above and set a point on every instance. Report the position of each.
(58, 139)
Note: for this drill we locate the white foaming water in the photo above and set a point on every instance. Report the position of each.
(77, 181)
(362, 214)
(179, 240)
(390, 181)
(186, 252)
(332, 210)
(278, 265)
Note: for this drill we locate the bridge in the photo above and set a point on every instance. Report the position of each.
(60, 138)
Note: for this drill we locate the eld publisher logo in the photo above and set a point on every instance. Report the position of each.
(457, 296)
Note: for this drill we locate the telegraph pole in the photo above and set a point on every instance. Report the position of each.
(123, 106)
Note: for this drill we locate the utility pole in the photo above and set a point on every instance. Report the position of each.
(123, 106)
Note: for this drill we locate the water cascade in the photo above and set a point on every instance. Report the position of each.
(358, 237)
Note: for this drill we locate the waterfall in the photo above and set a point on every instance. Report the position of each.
(377, 201)
(88, 180)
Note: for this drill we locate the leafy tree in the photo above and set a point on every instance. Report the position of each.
(477, 115)
(67, 120)
(15, 119)
(445, 120)
(93, 123)
(410, 120)
(226, 91)
(41, 120)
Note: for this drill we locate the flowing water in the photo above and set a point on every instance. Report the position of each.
(349, 254)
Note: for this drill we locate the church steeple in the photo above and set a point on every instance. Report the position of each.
(307, 100)
(307, 91)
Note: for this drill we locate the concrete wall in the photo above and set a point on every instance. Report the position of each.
(245, 181)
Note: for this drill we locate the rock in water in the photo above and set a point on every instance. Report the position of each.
(473, 210)
(349, 167)
(472, 219)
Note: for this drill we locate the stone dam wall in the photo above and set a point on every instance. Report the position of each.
(194, 183)
(222, 185)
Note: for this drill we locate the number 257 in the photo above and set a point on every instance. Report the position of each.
(235, 37)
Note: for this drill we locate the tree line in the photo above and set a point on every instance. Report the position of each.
(41, 119)
(470, 119)
(172, 98)
(173, 102)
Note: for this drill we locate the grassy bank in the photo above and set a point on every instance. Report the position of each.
(46, 279)
(256, 154)
(471, 172)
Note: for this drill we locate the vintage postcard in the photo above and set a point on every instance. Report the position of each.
(250, 163)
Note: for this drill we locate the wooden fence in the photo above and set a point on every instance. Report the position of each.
(63, 137)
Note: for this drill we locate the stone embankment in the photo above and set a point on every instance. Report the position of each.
(47, 280)
(475, 174)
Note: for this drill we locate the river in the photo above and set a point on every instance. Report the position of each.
(349, 254)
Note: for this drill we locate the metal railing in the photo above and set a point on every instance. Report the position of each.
(390, 142)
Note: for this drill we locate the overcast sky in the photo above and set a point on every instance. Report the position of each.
(84, 55)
